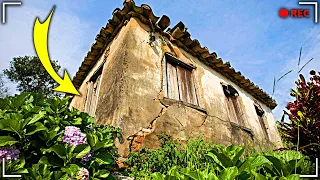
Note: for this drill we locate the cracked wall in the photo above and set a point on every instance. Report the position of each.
(131, 97)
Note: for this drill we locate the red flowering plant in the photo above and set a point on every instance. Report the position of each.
(303, 128)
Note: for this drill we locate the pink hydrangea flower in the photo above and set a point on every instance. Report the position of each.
(83, 174)
(73, 136)
(86, 158)
(9, 153)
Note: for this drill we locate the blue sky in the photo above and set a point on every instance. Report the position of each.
(247, 33)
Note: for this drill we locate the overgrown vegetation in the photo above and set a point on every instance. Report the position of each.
(200, 160)
(44, 139)
(304, 114)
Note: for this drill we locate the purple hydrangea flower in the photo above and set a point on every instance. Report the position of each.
(73, 136)
(86, 158)
(9, 153)
(83, 174)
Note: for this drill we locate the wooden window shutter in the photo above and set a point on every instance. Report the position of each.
(238, 105)
(179, 81)
(264, 127)
(232, 112)
(89, 97)
(94, 96)
(262, 119)
(235, 105)
(186, 86)
(172, 80)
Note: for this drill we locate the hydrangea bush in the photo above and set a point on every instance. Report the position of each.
(45, 139)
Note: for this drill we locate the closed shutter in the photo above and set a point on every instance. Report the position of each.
(89, 97)
(187, 89)
(95, 96)
(232, 112)
(239, 110)
(264, 127)
(173, 89)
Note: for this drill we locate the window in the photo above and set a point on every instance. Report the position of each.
(92, 92)
(261, 117)
(236, 113)
(179, 81)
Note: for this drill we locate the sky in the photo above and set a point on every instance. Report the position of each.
(247, 33)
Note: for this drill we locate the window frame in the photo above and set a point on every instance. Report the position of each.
(235, 108)
(168, 58)
(92, 91)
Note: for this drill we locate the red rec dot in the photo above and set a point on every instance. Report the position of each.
(283, 13)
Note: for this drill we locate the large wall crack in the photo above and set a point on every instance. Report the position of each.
(137, 139)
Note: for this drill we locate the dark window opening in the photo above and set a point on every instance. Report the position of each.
(180, 83)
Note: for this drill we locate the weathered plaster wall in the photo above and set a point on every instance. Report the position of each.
(131, 97)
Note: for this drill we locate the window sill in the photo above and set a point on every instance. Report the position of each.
(168, 101)
(247, 130)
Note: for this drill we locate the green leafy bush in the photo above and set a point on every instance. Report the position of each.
(200, 160)
(171, 154)
(49, 140)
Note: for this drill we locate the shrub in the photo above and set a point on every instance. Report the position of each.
(304, 115)
(200, 160)
(171, 154)
(45, 139)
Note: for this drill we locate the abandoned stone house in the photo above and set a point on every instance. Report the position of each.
(149, 79)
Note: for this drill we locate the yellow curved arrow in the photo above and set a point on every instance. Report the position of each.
(40, 39)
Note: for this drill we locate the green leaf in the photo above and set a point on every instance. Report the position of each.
(35, 128)
(104, 144)
(77, 121)
(20, 163)
(82, 150)
(229, 173)
(259, 162)
(196, 175)
(92, 139)
(258, 176)
(102, 174)
(58, 149)
(274, 86)
(60, 175)
(277, 164)
(102, 161)
(299, 57)
(157, 176)
(293, 177)
(215, 159)
(37, 117)
(284, 75)
(7, 140)
(212, 176)
(305, 65)
(238, 154)
(71, 169)
(11, 122)
(51, 160)
(21, 171)
(226, 161)
(291, 165)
